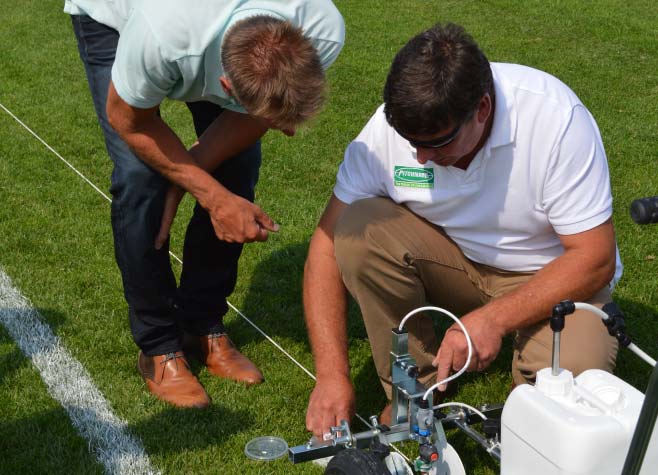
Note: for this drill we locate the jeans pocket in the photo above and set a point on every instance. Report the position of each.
(97, 43)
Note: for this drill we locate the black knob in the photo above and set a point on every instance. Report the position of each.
(645, 210)
(412, 371)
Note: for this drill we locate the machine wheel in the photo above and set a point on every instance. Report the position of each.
(356, 462)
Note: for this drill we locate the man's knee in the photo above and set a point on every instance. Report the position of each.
(355, 234)
(588, 345)
(358, 216)
(240, 173)
(604, 359)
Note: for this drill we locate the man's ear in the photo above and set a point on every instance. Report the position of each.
(226, 84)
(484, 108)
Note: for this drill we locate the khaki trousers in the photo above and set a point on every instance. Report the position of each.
(393, 261)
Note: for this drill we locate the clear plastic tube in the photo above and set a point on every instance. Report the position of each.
(463, 329)
(591, 308)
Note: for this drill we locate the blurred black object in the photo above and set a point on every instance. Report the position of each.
(645, 210)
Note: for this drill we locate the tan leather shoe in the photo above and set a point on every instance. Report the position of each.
(168, 377)
(224, 360)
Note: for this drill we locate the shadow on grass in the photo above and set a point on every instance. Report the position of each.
(179, 430)
(39, 439)
(10, 362)
(44, 443)
(274, 299)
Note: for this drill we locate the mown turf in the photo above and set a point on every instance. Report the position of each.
(55, 239)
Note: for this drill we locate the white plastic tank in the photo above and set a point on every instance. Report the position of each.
(572, 426)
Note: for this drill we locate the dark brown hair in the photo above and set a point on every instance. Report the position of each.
(436, 81)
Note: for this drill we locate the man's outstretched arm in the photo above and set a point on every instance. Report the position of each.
(325, 308)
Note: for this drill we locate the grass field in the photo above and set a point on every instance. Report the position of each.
(56, 244)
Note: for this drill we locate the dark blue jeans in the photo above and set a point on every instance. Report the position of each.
(158, 309)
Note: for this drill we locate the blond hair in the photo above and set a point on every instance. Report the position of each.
(274, 70)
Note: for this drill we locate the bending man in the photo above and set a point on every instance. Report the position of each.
(242, 68)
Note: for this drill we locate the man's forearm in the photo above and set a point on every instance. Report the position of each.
(587, 265)
(155, 143)
(325, 308)
(576, 275)
(229, 134)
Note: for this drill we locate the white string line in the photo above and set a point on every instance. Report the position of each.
(174, 256)
(55, 152)
(302, 367)
(272, 341)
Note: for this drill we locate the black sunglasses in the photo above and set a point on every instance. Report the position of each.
(434, 143)
(439, 141)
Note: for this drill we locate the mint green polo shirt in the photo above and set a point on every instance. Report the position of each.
(171, 48)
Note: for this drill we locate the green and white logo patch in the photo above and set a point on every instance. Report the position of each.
(413, 177)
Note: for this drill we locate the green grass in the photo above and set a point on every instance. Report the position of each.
(55, 238)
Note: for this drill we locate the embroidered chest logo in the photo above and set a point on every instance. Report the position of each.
(412, 177)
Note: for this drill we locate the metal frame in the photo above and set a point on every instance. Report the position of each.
(411, 419)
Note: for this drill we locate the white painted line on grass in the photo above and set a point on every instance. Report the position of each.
(68, 383)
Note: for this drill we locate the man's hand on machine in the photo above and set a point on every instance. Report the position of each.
(486, 338)
(331, 401)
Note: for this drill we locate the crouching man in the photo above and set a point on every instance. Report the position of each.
(478, 187)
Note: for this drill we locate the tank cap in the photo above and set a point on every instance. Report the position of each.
(266, 448)
(555, 386)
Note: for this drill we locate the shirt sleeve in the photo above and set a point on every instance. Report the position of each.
(577, 195)
(328, 52)
(329, 41)
(360, 174)
(142, 74)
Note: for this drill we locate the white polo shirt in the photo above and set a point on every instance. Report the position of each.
(541, 172)
(172, 48)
